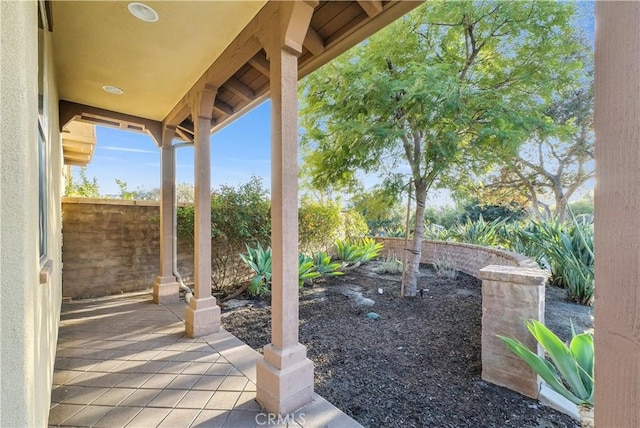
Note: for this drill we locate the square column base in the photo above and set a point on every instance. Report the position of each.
(166, 290)
(287, 389)
(202, 317)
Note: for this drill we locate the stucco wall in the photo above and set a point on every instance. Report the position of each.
(112, 246)
(29, 307)
(468, 258)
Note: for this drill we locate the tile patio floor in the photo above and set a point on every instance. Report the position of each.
(123, 361)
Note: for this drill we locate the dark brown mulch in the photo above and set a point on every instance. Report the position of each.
(418, 365)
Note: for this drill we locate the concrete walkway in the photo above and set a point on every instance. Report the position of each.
(123, 361)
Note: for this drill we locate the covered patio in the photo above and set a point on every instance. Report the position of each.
(123, 361)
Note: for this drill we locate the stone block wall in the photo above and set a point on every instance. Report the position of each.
(113, 246)
(513, 290)
(468, 258)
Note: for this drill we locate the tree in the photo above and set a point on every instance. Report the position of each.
(464, 85)
(85, 188)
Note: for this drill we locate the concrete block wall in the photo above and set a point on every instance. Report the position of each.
(112, 246)
(513, 290)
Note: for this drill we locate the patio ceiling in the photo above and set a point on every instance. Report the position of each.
(193, 45)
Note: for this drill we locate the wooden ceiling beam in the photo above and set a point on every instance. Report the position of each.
(313, 42)
(371, 7)
(260, 63)
(223, 107)
(240, 89)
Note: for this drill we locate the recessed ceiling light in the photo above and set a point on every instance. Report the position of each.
(143, 12)
(113, 90)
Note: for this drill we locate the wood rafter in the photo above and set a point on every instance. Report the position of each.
(223, 107)
(240, 89)
(313, 42)
(260, 63)
(371, 7)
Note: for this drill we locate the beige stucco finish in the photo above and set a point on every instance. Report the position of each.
(100, 43)
(29, 310)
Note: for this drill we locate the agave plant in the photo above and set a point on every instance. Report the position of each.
(306, 270)
(478, 232)
(259, 260)
(325, 266)
(570, 372)
(355, 253)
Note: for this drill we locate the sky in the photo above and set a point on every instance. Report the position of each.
(238, 151)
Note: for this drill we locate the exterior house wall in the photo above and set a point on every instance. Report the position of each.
(128, 255)
(30, 291)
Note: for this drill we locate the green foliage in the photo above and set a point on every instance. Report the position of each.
(479, 232)
(582, 207)
(391, 264)
(571, 370)
(445, 267)
(566, 250)
(448, 101)
(307, 270)
(240, 216)
(321, 224)
(436, 232)
(85, 188)
(325, 266)
(357, 252)
(259, 260)
(380, 208)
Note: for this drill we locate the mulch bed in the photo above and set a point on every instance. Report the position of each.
(418, 365)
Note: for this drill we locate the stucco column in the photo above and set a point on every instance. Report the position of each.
(166, 288)
(617, 204)
(285, 375)
(202, 316)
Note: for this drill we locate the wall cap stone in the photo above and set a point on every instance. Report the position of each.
(514, 274)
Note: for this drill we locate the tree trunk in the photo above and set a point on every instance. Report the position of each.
(415, 254)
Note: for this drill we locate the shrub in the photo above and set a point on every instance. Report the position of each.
(445, 267)
(321, 224)
(356, 253)
(391, 264)
(260, 261)
(239, 216)
(478, 232)
(566, 250)
(325, 266)
(570, 371)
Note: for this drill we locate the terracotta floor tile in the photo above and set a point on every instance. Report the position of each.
(223, 400)
(210, 419)
(85, 395)
(247, 401)
(184, 381)
(167, 398)
(208, 383)
(179, 418)
(59, 413)
(134, 380)
(63, 392)
(141, 397)
(242, 419)
(159, 380)
(118, 417)
(87, 416)
(219, 369)
(233, 383)
(197, 368)
(113, 396)
(195, 400)
(149, 417)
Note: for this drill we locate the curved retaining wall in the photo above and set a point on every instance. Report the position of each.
(469, 258)
(513, 290)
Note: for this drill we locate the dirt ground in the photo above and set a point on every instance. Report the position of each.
(418, 364)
